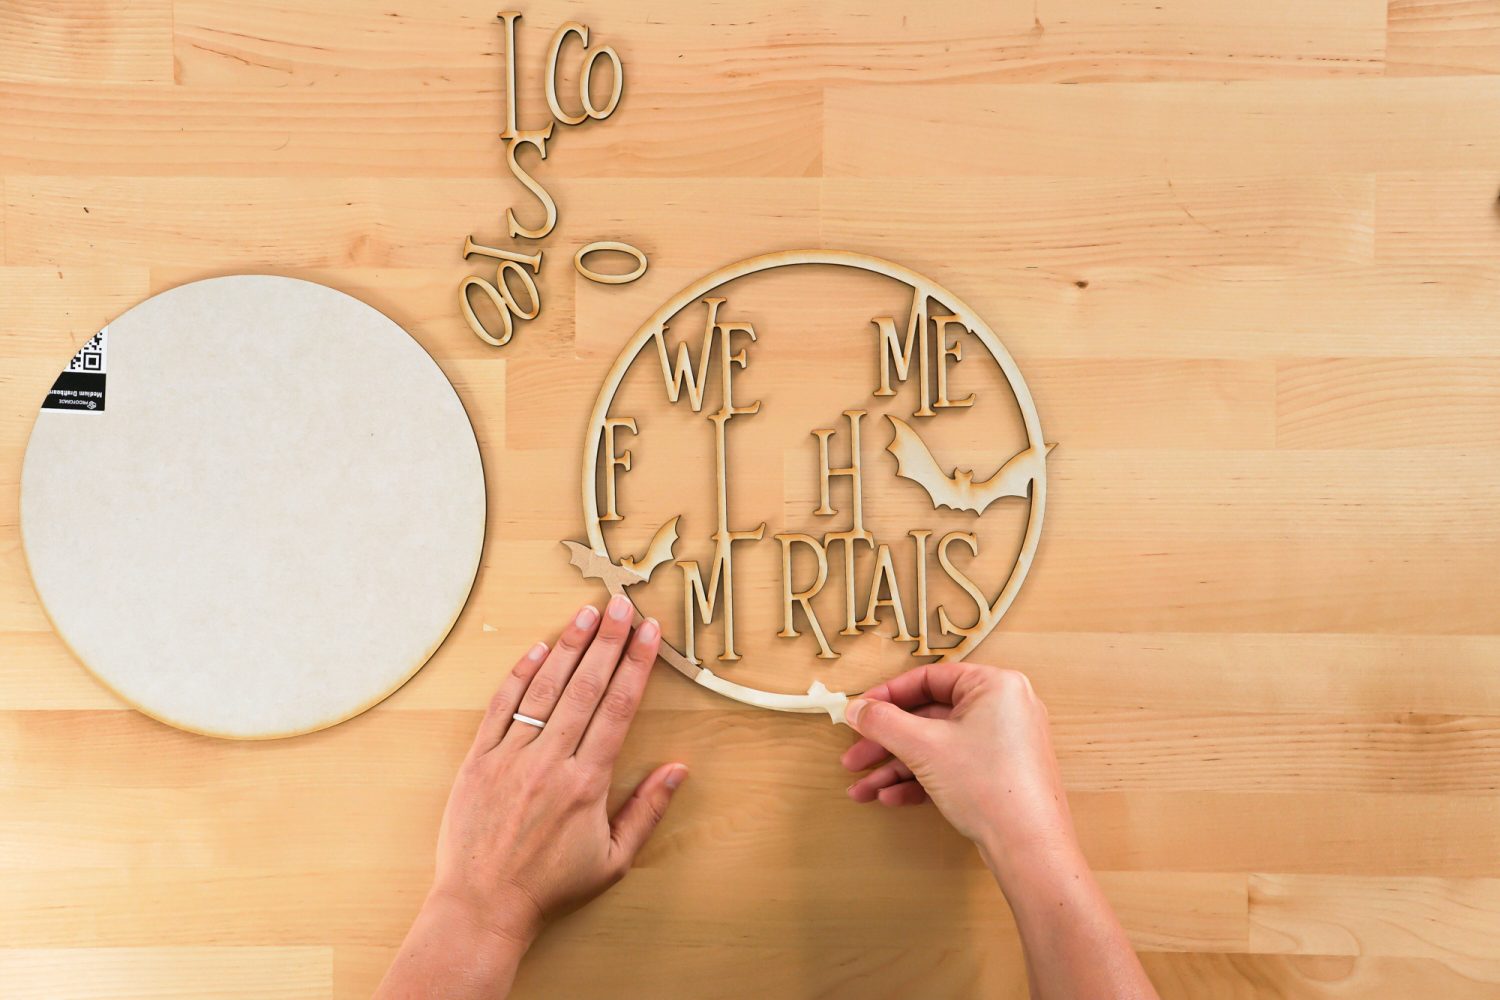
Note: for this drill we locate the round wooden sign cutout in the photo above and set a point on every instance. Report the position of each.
(1026, 474)
(253, 506)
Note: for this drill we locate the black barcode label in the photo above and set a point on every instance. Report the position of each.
(81, 384)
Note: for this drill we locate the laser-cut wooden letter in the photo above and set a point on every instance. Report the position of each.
(509, 19)
(885, 573)
(981, 623)
(790, 598)
(946, 351)
(920, 536)
(856, 532)
(682, 374)
(617, 88)
(613, 461)
(897, 353)
(537, 138)
(610, 279)
(852, 470)
(553, 51)
(500, 292)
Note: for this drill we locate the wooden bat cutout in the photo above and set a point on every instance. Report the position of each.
(658, 552)
(958, 490)
(630, 571)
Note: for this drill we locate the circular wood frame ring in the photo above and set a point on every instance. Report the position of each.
(610, 279)
(817, 698)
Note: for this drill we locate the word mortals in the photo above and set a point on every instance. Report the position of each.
(707, 594)
(516, 139)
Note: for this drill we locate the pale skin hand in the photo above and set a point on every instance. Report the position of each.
(975, 739)
(526, 834)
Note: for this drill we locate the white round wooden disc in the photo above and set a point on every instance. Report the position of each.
(270, 516)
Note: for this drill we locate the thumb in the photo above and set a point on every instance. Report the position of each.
(899, 731)
(637, 818)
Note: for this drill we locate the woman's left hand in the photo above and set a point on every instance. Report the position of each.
(526, 834)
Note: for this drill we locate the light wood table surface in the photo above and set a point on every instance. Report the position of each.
(1248, 256)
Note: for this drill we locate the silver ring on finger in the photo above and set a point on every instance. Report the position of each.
(539, 723)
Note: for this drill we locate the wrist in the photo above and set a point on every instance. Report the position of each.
(1022, 866)
(509, 924)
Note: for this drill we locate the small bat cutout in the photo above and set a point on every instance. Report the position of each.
(958, 490)
(630, 571)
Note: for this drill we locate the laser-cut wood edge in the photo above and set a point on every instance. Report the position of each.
(610, 279)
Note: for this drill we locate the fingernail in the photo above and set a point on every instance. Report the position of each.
(537, 652)
(649, 630)
(854, 710)
(619, 607)
(586, 616)
(676, 776)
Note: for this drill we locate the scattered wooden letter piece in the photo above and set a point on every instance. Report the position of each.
(610, 279)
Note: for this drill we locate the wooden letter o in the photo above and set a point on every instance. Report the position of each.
(583, 84)
(610, 279)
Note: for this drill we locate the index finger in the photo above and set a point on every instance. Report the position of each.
(606, 732)
(924, 685)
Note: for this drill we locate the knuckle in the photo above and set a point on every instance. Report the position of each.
(585, 688)
(596, 779)
(611, 638)
(542, 689)
(500, 699)
(583, 783)
(617, 706)
(572, 642)
(1012, 680)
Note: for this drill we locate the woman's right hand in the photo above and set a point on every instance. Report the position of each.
(973, 738)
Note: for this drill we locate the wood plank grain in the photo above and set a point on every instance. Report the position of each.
(146, 972)
(201, 908)
(1436, 37)
(669, 48)
(1189, 585)
(95, 44)
(389, 129)
(1446, 919)
(1177, 130)
(364, 222)
(1437, 216)
(1293, 832)
(1092, 222)
(281, 908)
(1257, 672)
(1391, 403)
(1254, 977)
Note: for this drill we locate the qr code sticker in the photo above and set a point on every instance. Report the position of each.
(91, 356)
